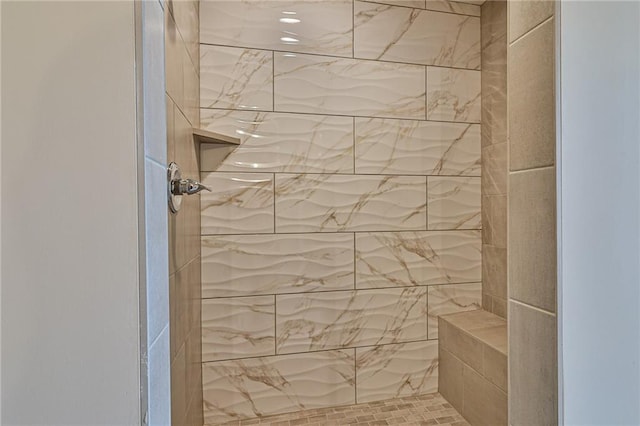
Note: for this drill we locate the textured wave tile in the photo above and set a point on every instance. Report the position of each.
(327, 85)
(453, 40)
(454, 203)
(238, 327)
(240, 203)
(327, 203)
(396, 259)
(241, 265)
(453, 95)
(236, 78)
(417, 147)
(453, 7)
(319, 321)
(255, 387)
(448, 299)
(393, 371)
(277, 142)
(311, 26)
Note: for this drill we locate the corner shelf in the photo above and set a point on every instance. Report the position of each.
(214, 148)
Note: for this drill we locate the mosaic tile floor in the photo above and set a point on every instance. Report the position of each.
(424, 410)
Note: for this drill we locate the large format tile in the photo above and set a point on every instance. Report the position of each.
(242, 265)
(495, 169)
(316, 26)
(400, 34)
(484, 403)
(238, 327)
(394, 259)
(531, 92)
(393, 371)
(525, 15)
(418, 4)
(532, 237)
(387, 146)
(276, 142)
(319, 321)
(453, 203)
(448, 299)
(239, 203)
(329, 85)
(453, 7)
(533, 366)
(256, 387)
(236, 78)
(453, 95)
(327, 203)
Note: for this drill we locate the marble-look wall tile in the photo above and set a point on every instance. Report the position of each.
(242, 265)
(329, 85)
(453, 95)
(454, 203)
(240, 203)
(238, 327)
(417, 4)
(453, 7)
(240, 389)
(310, 26)
(494, 178)
(394, 371)
(236, 78)
(396, 259)
(448, 299)
(320, 321)
(328, 203)
(276, 142)
(401, 34)
(387, 146)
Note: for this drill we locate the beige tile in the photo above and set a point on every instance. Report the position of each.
(453, 7)
(494, 169)
(500, 307)
(327, 320)
(494, 336)
(450, 378)
(185, 13)
(495, 366)
(460, 344)
(238, 327)
(525, 15)
(418, 4)
(474, 320)
(532, 238)
(191, 90)
(236, 78)
(533, 384)
(531, 94)
(453, 95)
(179, 392)
(494, 220)
(484, 403)
(329, 85)
(320, 27)
(173, 61)
(453, 203)
(447, 299)
(240, 203)
(494, 271)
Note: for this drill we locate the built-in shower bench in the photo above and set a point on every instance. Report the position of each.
(473, 365)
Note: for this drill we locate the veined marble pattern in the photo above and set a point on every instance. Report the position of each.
(453, 95)
(240, 203)
(454, 202)
(238, 327)
(253, 387)
(277, 142)
(398, 259)
(449, 299)
(401, 34)
(320, 321)
(392, 371)
(242, 265)
(328, 203)
(417, 4)
(311, 26)
(328, 85)
(453, 7)
(236, 78)
(387, 146)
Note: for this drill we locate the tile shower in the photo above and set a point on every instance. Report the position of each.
(349, 218)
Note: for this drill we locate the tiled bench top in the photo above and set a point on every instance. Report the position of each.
(482, 325)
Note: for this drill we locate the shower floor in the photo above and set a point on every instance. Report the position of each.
(426, 410)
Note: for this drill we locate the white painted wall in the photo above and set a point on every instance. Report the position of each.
(600, 212)
(70, 337)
